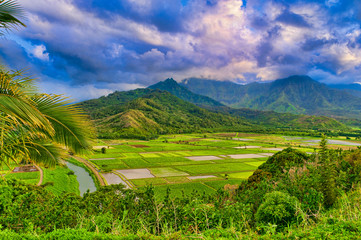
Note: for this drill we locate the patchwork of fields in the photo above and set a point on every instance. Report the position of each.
(187, 163)
(182, 163)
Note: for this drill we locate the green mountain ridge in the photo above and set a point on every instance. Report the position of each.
(159, 112)
(295, 94)
(147, 113)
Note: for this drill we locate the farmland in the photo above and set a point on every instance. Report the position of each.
(182, 163)
(193, 162)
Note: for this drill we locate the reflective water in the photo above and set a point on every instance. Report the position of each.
(85, 180)
(338, 142)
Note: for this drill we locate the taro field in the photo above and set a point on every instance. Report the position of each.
(188, 163)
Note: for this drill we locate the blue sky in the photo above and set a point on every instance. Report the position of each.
(89, 48)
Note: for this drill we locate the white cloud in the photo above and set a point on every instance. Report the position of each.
(39, 51)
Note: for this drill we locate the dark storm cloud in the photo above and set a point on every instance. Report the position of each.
(312, 44)
(120, 44)
(292, 19)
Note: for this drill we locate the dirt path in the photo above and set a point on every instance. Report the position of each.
(96, 173)
(41, 175)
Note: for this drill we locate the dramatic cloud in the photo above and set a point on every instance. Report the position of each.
(90, 48)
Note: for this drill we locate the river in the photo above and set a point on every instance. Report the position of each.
(85, 180)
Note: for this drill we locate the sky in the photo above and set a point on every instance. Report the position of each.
(89, 48)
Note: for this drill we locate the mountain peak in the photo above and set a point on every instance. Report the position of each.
(169, 80)
(170, 85)
(296, 78)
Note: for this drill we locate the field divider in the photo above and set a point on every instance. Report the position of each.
(130, 185)
(208, 186)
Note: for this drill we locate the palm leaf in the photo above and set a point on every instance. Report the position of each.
(69, 122)
(10, 13)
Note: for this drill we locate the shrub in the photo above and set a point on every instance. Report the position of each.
(284, 160)
(278, 208)
(104, 150)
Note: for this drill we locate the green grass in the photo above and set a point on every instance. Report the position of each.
(167, 172)
(255, 164)
(242, 175)
(63, 181)
(177, 190)
(148, 181)
(220, 183)
(27, 177)
(167, 160)
(104, 155)
(216, 168)
(177, 180)
(137, 163)
(108, 165)
(149, 155)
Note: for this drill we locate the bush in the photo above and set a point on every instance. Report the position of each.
(278, 208)
(284, 160)
(104, 150)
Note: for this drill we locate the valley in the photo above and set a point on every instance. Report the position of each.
(182, 163)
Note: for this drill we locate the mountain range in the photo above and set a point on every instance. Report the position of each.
(295, 94)
(168, 107)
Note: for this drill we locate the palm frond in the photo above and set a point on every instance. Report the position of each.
(43, 153)
(10, 14)
(69, 122)
(24, 112)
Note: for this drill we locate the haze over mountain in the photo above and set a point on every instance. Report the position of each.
(353, 89)
(295, 94)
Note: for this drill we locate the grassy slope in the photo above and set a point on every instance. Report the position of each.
(63, 180)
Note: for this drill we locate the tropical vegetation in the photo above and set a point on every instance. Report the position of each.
(35, 127)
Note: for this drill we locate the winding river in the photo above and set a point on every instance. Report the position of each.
(85, 180)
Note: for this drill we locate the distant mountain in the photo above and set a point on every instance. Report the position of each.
(146, 113)
(295, 94)
(353, 89)
(177, 90)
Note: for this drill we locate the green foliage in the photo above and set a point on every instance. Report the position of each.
(10, 15)
(283, 160)
(35, 126)
(278, 208)
(104, 150)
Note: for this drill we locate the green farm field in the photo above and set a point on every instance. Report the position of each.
(194, 162)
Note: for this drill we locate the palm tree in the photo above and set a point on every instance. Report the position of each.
(37, 127)
(10, 13)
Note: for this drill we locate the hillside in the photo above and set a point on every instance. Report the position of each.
(295, 94)
(269, 119)
(160, 112)
(147, 113)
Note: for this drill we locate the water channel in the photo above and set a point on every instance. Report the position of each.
(85, 180)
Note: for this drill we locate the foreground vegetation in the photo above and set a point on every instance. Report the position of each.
(292, 195)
